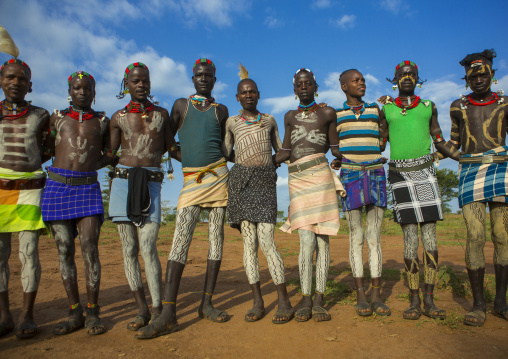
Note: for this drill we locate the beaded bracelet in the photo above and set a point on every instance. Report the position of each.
(286, 149)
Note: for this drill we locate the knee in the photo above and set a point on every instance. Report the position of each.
(89, 248)
(130, 250)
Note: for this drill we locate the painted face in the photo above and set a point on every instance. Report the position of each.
(248, 95)
(406, 77)
(82, 91)
(305, 87)
(203, 79)
(138, 84)
(479, 78)
(15, 81)
(354, 85)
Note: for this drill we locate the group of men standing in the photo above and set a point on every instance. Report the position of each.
(82, 141)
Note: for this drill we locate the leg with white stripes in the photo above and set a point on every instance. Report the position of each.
(410, 231)
(147, 240)
(430, 260)
(251, 264)
(322, 265)
(308, 243)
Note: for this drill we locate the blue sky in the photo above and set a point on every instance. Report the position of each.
(271, 38)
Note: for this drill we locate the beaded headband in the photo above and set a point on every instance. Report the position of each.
(204, 60)
(304, 69)
(15, 61)
(80, 74)
(133, 65)
(419, 81)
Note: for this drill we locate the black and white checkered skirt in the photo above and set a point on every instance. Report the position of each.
(416, 195)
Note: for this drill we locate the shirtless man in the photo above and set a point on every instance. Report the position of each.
(22, 130)
(200, 123)
(142, 129)
(314, 210)
(410, 124)
(363, 176)
(252, 192)
(479, 127)
(72, 200)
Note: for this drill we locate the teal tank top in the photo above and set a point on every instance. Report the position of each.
(409, 135)
(200, 137)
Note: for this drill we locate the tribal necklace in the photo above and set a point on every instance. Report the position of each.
(201, 100)
(313, 106)
(398, 103)
(144, 109)
(493, 99)
(248, 122)
(79, 115)
(17, 112)
(358, 108)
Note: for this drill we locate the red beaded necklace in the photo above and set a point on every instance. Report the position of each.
(398, 103)
(17, 112)
(79, 115)
(493, 99)
(144, 109)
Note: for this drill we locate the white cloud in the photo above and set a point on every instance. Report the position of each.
(392, 5)
(282, 181)
(322, 3)
(345, 22)
(332, 80)
(217, 12)
(371, 79)
(280, 104)
(272, 21)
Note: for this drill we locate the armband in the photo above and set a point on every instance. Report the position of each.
(438, 137)
(51, 133)
(337, 145)
(285, 149)
(175, 147)
(109, 152)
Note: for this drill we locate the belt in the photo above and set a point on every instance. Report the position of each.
(154, 176)
(72, 181)
(21, 184)
(484, 159)
(410, 169)
(306, 165)
(360, 167)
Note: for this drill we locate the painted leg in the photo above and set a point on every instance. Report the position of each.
(64, 238)
(6, 322)
(265, 232)
(410, 232)
(430, 261)
(30, 278)
(89, 231)
(147, 240)
(319, 313)
(499, 225)
(216, 240)
(251, 264)
(130, 247)
(166, 323)
(308, 244)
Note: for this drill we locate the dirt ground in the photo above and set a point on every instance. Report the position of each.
(346, 335)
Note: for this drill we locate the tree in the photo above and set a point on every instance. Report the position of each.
(280, 216)
(105, 189)
(448, 181)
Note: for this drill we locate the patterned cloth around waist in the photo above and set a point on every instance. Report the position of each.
(416, 195)
(20, 209)
(252, 195)
(363, 187)
(313, 199)
(212, 191)
(118, 199)
(484, 182)
(62, 202)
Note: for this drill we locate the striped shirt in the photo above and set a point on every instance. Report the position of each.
(359, 133)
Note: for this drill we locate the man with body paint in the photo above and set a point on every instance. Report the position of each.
(142, 129)
(72, 200)
(22, 131)
(363, 177)
(409, 123)
(252, 195)
(200, 123)
(314, 210)
(479, 128)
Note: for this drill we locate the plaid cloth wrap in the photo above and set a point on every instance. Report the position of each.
(252, 195)
(416, 195)
(62, 202)
(363, 187)
(487, 182)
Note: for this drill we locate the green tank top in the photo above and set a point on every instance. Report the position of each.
(409, 135)
(200, 137)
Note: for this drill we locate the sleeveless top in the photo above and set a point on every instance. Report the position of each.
(200, 137)
(409, 135)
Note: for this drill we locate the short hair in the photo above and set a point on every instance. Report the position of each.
(342, 75)
(303, 69)
(242, 81)
(123, 89)
(204, 60)
(16, 61)
(81, 74)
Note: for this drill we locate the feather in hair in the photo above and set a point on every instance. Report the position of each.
(244, 74)
(7, 45)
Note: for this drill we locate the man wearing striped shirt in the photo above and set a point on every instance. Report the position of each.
(364, 180)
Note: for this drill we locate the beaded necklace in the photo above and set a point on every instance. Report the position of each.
(398, 103)
(493, 99)
(79, 115)
(313, 106)
(248, 122)
(358, 108)
(201, 100)
(144, 109)
(17, 112)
